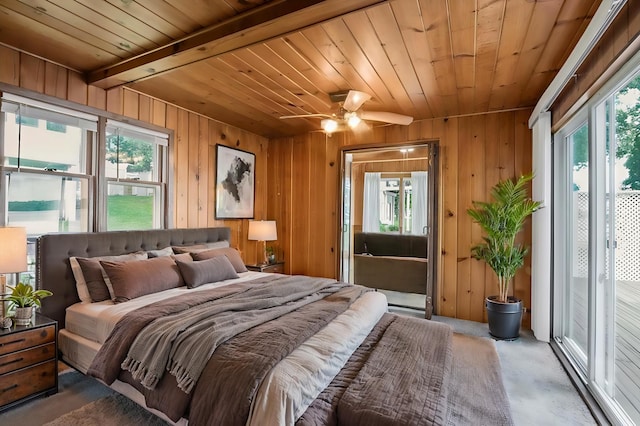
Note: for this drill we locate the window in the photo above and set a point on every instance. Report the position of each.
(402, 200)
(56, 127)
(395, 204)
(46, 179)
(51, 181)
(135, 184)
(26, 121)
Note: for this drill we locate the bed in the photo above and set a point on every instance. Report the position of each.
(288, 349)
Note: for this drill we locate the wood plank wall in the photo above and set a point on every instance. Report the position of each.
(195, 137)
(297, 180)
(616, 46)
(475, 152)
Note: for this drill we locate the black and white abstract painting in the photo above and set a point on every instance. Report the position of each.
(235, 183)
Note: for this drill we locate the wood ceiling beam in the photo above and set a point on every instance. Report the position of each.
(254, 26)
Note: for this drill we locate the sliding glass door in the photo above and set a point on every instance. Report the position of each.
(597, 248)
(575, 296)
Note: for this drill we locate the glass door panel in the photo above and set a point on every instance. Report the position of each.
(623, 246)
(576, 291)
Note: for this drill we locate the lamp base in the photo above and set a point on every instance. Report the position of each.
(262, 258)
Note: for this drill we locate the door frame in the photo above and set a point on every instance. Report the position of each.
(433, 242)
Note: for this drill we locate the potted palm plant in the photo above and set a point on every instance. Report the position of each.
(501, 220)
(24, 299)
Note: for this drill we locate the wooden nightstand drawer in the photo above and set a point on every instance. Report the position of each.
(27, 357)
(27, 381)
(276, 268)
(27, 339)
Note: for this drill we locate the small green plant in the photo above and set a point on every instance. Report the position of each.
(501, 220)
(271, 254)
(23, 295)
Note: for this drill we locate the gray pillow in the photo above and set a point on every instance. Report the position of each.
(231, 253)
(134, 279)
(212, 270)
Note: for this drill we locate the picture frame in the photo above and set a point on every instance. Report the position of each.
(235, 183)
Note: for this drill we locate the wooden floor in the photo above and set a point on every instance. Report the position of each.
(627, 374)
(627, 339)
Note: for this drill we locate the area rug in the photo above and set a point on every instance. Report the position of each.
(114, 410)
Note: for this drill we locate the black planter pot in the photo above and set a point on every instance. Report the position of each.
(504, 318)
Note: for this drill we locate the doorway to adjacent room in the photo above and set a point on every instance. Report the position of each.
(388, 221)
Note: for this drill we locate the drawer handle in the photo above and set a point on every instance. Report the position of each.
(12, 342)
(4, 364)
(13, 386)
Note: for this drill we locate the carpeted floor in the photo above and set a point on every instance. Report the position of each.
(538, 390)
(114, 410)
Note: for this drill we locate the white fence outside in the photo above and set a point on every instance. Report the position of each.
(627, 235)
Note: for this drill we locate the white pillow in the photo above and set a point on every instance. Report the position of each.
(167, 251)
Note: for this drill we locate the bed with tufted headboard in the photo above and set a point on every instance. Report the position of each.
(279, 349)
(53, 251)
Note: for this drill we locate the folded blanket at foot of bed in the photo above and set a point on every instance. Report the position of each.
(399, 375)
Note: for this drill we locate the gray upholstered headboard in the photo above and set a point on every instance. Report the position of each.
(53, 271)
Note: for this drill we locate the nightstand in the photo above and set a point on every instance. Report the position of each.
(277, 267)
(28, 361)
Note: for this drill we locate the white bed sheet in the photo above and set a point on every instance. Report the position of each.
(286, 391)
(296, 381)
(94, 321)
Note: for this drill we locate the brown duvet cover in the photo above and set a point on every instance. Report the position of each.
(399, 375)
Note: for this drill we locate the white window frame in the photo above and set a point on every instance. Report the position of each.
(95, 155)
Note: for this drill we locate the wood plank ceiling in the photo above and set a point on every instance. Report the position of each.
(248, 62)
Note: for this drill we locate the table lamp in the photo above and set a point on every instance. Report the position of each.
(263, 230)
(13, 256)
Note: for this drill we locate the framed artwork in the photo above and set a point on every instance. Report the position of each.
(235, 183)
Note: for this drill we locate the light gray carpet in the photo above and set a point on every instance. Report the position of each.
(539, 390)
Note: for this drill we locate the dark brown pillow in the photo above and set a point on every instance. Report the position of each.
(212, 270)
(97, 286)
(231, 253)
(92, 272)
(134, 279)
(185, 257)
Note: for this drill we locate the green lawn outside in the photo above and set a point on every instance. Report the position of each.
(129, 212)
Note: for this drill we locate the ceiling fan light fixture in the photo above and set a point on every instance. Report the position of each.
(329, 125)
(352, 119)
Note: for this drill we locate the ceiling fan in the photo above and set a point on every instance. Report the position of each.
(350, 114)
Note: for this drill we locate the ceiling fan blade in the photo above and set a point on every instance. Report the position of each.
(386, 117)
(306, 115)
(355, 99)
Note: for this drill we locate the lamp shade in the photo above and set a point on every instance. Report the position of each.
(263, 230)
(13, 256)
